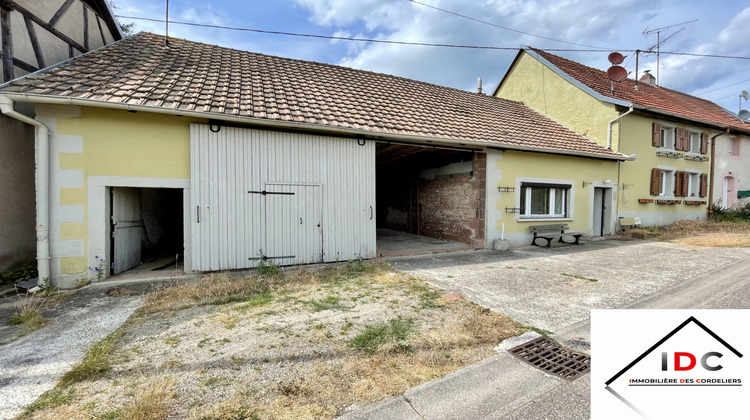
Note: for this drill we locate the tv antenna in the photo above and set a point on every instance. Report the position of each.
(659, 41)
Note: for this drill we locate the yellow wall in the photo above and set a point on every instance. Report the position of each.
(553, 167)
(531, 82)
(636, 139)
(119, 143)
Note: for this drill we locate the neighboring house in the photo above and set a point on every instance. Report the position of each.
(298, 160)
(672, 134)
(34, 35)
(732, 171)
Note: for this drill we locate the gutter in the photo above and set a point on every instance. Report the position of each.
(609, 127)
(432, 141)
(42, 188)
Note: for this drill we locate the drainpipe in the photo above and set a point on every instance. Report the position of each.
(609, 127)
(42, 188)
(711, 175)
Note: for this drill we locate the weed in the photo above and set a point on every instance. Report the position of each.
(96, 361)
(172, 341)
(152, 401)
(539, 331)
(345, 328)
(329, 302)
(52, 398)
(375, 336)
(203, 342)
(575, 276)
(266, 267)
(29, 315)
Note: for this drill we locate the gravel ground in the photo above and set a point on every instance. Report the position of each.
(32, 364)
(288, 354)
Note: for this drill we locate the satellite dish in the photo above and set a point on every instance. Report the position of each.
(745, 95)
(617, 73)
(616, 58)
(744, 115)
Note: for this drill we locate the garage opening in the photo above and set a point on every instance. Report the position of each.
(147, 230)
(429, 199)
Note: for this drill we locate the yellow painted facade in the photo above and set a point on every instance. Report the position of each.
(531, 82)
(552, 168)
(636, 175)
(119, 143)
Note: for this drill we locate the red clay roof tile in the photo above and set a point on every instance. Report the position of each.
(655, 97)
(193, 76)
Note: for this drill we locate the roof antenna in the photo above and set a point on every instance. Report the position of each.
(166, 27)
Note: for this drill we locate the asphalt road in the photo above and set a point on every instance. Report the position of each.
(555, 290)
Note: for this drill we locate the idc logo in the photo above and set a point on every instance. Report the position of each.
(684, 361)
(693, 368)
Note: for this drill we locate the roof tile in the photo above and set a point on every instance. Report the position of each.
(656, 97)
(193, 76)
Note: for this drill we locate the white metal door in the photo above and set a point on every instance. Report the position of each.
(332, 181)
(598, 219)
(293, 223)
(128, 228)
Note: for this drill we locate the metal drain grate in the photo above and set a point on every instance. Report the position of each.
(550, 356)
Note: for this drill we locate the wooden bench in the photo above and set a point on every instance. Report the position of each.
(552, 232)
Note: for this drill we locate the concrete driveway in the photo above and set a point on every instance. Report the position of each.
(553, 289)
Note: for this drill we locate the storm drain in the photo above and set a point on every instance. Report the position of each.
(551, 357)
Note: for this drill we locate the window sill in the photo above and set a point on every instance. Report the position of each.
(543, 219)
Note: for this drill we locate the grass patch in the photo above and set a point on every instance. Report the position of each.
(539, 331)
(29, 319)
(97, 361)
(726, 234)
(329, 302)
(50, 399)
(576, 276)
(150, 402)
(374, 337)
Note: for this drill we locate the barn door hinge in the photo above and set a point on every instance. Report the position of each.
(264, 192)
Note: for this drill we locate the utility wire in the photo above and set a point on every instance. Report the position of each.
(500, 26)
(723, 87)
(424, 44)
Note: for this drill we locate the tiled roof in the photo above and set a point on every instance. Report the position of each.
(655, 97)
(190, 76)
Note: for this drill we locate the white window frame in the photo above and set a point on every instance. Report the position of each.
(694, 183)
(695, 143)
(568, 195)
(667, 181)
(667, 142)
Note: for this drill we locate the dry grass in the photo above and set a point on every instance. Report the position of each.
(152, 401)
(709, 234)
(257, 348)
(29, 314)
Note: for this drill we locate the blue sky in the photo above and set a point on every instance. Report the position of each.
(722, 28)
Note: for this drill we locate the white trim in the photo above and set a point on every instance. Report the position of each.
(98, 211)
(139, 182)
(563, 183)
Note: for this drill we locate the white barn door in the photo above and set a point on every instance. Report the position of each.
(298, 198)
(128, 228)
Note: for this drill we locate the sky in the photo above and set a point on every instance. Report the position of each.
(718, 27)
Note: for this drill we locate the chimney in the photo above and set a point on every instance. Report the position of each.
(479, 85)
(648, 78)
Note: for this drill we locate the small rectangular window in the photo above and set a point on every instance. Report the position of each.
(668, 138)
(695, 142)
(693, 184)
(544, 200)
(734, 147)
(667, 183)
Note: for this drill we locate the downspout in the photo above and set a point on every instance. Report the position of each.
(711, 174)
(609, 127)
(42, 188)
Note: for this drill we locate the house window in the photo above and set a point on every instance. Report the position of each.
(667, 138)
(695, 142)
(734, 147)
(693, 184)
(544, 200)
(662, 182)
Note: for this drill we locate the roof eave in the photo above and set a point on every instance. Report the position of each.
(417, 139)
